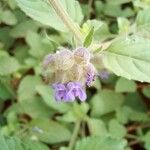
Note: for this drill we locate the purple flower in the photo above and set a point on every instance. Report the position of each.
(90, 75)
(75, 89)
(69, 92)
(60, 91)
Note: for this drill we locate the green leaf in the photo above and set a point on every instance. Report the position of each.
(89, 37)
(27, 87)
(8, 17)
(77, 112)
(21, 29)
(116, 129)
(44, 13)
(33, 145)
(124, 85)
(48, 97)
(146, 139)
(97, 127)
(3, 143)
(35, 108)
(5, 37)
(125, 114)
(146, 91)
(97, 143)
(143, 23)
(39, 48)
(12, 4)
(143, 18)
(14, 143)
(131, 51)
(6, 91)
(49, 131)
(105, 102)
(134, 100)
(101, 30)
(116, 11)
(8, 65)
(142, 4)
(124, 25)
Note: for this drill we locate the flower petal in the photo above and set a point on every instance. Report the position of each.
(82, 95)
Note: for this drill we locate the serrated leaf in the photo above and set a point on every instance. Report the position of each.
(143, 23)
(129, 57)
(97, 127)
(33, 145)
(35, 108)
(126, 113)
(97, 143)
(39, 48)
(27, 87)
(124, 85)
(14, 143)
(49, 131)
(143, 18)
(105, 102)
(43, 12)
(8, 65)
(114, 127)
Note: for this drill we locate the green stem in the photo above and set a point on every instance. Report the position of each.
(74, 135)
(66, 19)
(90, 8)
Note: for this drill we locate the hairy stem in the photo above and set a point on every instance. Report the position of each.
(66, 19)
(74, 135)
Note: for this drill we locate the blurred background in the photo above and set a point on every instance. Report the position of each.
(117, 112)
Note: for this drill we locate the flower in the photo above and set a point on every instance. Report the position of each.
(60, 91)
(69, 91)
(90, 75)
(69, 72)
(82, 55)
(75, 90)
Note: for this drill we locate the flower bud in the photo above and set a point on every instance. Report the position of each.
(75, 73)
(49, 63)
(64, 59)
(90, 76)
(82, 55)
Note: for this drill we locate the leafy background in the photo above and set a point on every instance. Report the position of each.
(116, 114)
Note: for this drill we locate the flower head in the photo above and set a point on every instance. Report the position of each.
(69, 72)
